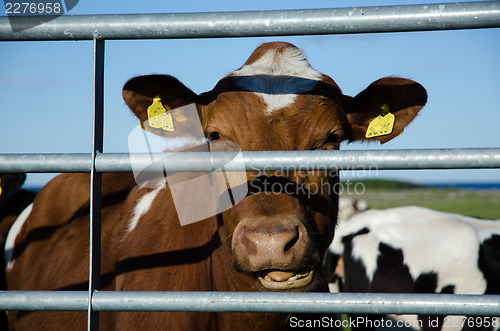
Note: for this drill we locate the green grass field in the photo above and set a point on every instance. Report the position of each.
(478, 203)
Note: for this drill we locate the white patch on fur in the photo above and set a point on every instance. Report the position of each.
(365, 249)
(143, 206)
(334, 287)
(283, 76)
(13, 232)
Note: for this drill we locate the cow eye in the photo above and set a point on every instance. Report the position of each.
(214, 136)
(333, 140)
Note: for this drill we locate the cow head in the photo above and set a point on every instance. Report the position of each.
(279, 232)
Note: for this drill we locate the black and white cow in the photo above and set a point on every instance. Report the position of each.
(417, 250)
(348, 207)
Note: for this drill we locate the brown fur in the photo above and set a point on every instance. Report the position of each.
(13, 200)
(221, 253)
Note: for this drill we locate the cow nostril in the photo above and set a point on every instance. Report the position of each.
(270, 247)
(292, 241)
(247, 243)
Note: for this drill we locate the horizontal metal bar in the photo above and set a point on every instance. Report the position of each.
(353, 303)
(300, 302)
(481, 158)
(44, 300)
(467, 15)
(45, 162)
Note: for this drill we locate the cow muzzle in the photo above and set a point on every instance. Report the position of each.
(276, 251)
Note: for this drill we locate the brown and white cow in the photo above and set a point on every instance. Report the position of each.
(13, 200)
(269, 241)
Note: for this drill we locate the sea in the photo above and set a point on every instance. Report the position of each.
(465, 186)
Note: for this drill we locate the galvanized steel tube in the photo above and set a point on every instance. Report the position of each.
(75, 162)
(467, 15)
(321, 303)
(44, 300)
(301, 302)
(481, 158)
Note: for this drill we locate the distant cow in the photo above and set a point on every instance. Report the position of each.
(13, 200)
(417, 250)
(270, 241)
(348, 207)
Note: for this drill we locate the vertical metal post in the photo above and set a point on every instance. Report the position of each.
(95, 183)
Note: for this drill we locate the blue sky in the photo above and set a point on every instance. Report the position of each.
(46, 87)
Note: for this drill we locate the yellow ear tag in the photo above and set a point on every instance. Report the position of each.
(158, 117)
(382, 125)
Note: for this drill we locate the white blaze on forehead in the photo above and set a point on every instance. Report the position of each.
(144, 205)
(13, 232)
(278, 76)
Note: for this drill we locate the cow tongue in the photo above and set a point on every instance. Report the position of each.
(285, 280)
(279, 276)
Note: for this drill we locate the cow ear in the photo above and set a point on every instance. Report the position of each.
(140, 92)
(385, 97)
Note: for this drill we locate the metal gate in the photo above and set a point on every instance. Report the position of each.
(247, 24)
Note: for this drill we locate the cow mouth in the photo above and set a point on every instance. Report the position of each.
(284, 280)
